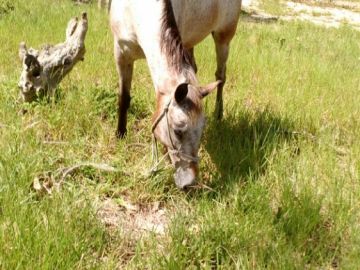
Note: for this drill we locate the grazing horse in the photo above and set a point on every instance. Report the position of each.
(165, 33)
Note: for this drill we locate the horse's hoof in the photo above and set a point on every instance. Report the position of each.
(23, 111)
(120, 134)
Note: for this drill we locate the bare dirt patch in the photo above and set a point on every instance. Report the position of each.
(130, 223)
(334, 15)
(331, 3)
(326, 13)
(133, 219)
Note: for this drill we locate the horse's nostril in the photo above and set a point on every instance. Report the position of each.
(184, 177)
(186, 187)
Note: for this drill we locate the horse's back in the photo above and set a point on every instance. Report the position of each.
(197, 19)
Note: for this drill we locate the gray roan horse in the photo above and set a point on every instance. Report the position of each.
(165, 32)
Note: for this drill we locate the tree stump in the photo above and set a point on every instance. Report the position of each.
(44, 69)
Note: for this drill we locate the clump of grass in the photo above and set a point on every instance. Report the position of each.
(104, 102)
(6, 7)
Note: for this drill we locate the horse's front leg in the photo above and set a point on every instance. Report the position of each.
(125, 66)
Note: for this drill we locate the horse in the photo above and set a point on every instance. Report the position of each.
(165, 33)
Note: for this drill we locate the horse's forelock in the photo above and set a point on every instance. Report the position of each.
(192, 104)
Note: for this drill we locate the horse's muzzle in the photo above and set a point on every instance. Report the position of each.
(185, 176)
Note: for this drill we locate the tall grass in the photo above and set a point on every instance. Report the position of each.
(282, 166)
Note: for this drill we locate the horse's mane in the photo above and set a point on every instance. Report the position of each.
(178, 57)
(171, 43)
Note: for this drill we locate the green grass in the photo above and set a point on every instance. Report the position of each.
(275, 7)
(282, 166)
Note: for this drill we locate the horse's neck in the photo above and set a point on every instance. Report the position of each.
(164, 75)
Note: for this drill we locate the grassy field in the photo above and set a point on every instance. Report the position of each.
(282, 168)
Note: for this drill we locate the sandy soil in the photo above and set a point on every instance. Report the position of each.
(320, 12)
(133, 219)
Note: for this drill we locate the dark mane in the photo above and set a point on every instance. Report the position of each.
(171, 43)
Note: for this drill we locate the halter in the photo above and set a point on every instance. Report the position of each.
(174, 150)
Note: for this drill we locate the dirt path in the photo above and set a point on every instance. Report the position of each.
(320, 12)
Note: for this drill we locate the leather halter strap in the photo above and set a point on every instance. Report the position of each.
(174, 150)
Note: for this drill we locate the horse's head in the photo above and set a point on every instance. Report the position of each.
(178, 124)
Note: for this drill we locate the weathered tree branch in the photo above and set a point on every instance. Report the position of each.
(46, 181)
(104, 3)
(44, 69)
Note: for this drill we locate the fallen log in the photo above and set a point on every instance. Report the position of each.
(44, 69)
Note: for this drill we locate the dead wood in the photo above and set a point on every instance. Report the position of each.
(44, 69)
(46, 181)
(104, 4)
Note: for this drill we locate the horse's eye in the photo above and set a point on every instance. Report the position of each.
(178, 133)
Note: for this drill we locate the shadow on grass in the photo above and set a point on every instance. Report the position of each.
(254, 17)
(294, 231)
(240, 147)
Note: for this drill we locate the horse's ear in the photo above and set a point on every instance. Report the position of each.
(207, 89)
(181, 92)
